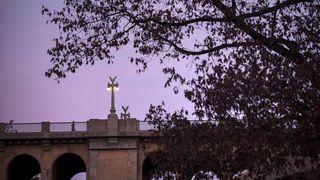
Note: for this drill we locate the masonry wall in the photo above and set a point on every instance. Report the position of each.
(111, 164)
(45, 158)
(110, 149)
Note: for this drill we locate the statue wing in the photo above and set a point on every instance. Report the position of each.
(113, 79)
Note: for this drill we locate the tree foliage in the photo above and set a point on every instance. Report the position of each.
(256, 83)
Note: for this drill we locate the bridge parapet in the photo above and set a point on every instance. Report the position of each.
(99, 134)
(93, 125)
(113, 125)
(43, 127)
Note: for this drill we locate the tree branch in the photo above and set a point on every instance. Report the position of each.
(212, 19)
(216, 48)
(206, 51)
(185, 22)
(258, 37)
(273, 8)
(188, 52)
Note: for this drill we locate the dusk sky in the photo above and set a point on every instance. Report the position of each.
(26, 95)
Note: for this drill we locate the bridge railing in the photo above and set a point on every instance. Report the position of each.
(47, 127)
(22, 127)
(42, 127)
(54, 127)
(68, 126)
(144, 125)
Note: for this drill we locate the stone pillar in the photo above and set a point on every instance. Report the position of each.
(133, 164)
(93, 165)
(3, 170)
(97, 125)
(129, 125)
(112, 124)
(45, 127)
(93, 125)
(46, 174)
(46, 163)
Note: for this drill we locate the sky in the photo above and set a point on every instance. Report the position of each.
(26, 95)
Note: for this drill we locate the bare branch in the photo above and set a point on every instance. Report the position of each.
(217, 19)
(206, 51)
(258, 37)
(273, 8)
(216, 48)
(185, 22)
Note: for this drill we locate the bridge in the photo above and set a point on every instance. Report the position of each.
(103, 148)
(113, 148)
(109, 148)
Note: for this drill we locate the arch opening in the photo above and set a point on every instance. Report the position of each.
(67, 166)
(23, 167)
(148, 169)
(79, 176)
(205, 175)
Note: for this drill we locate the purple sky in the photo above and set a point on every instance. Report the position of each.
(26, 95)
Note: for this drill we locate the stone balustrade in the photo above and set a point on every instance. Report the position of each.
(97, 125)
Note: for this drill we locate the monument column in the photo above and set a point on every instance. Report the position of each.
(112, 122)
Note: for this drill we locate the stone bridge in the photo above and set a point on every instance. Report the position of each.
(112, 148)
(103, 148)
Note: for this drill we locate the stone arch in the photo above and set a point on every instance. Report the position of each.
(23, 167)
(66, 166)
(147, 169)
